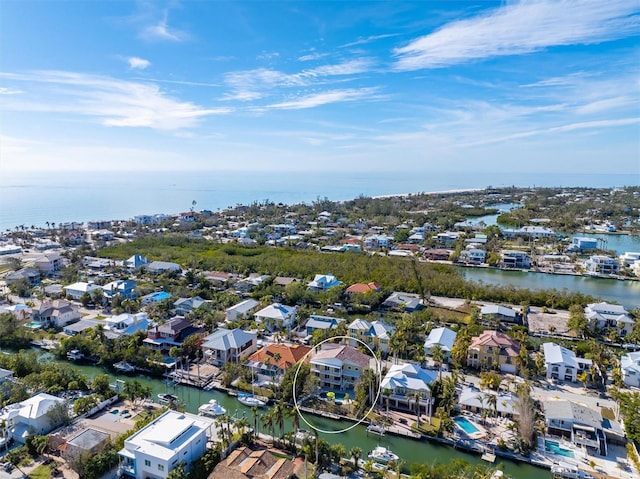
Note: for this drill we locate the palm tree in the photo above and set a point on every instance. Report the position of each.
(278, 417)
(356, 453)
(254, 413)
(438, 356)
(267, 422)
(416, 396)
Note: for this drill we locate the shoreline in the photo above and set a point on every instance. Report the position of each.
(441, 192)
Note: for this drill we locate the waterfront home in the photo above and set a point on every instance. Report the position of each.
(77, 290)
(562, 363)
(492, 313)
(30, 417)
(158, 267)
(30, 275)
(317, 322)
(581, 425)
(447, 239)
(48, 263)
(606, 317)
(338, 366)
(322, 282)
(443, 337)
(20, 311)
(136, 261)
(82, 326)
(241, 310)
(402, 383)
(376, 334)
(406, 302)
(245, 463)
(225, 345)
(437, 254)
(276, 316)
(377, 241)
(57, 313)
(531, 232)
(493, 350)
(629, 258)
(154, 298)
(172, 438)
(271, 362)
(125, 288)
(363, 288)
(172, 333)
(581, 244)
(514, 259)
(127, 323)
(502, 404)
(599, 264)
(473, 256)
(183, 306)
(630, 367)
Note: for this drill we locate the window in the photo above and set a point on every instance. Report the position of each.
(147, 462)
(160, 467)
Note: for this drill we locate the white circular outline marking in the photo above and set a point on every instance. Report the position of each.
(295, 380)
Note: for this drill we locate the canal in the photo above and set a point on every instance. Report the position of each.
(412, 451)
(626, 293)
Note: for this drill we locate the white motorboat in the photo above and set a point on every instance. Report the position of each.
(124, 367)
(211, 409)
(383, 455)
(378, 429)
(75, 355)
(250, 400)
(166, 398)
(569, 471)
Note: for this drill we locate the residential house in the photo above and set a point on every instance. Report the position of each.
(443, 337)
(407, 302)
(403, 382)
(125, 288)
(580, 244)
(154, 297)
(136, 261)
(81, 326)
(89, 441)
(127, 323)
(493, 350)
(496, 313)
(219, 277)
(48, 263)
(158, 267)
(172, 333)
(562, 364)
(30, 275)
(271, 362)
(447, 239)
(602, 265)
(338, 366)
(473, 256)
(376, 334)
(186, 305)
(363, 288)
(513, 259)
(251, 282)
(317, 322)
(579, 424)
(504, 404)
(225, 345)
(31, 416)
(20, 311)
(630, 367)
(172, 438)
(241, 310)
(276, 317)
(629, 258)
(322, 282)
(437, 254)
(606, 317)
(245, 463)
(77, 290)
(531, 232)
(377, 241)
(57, 313)
(283, 281)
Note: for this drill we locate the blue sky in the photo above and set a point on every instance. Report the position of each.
(544, 85)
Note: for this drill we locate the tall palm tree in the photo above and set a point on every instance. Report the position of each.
(278, 417)
(267, 422)
(254, 414)
(356, 453)
(416, 397)
(438, 356)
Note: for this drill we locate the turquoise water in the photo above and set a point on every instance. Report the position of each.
(466, 425)
(554, 448)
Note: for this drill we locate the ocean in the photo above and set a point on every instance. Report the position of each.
(32, 199)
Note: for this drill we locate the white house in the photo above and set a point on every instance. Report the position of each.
(241, 310)
(630, 366)
(607, 316)
(322, 282)
(401, 384)
(225, 345)
(76, 290)
(30, 416)
(444, 337)
(155, 450)
(562, 363)
(599, 264)
(276, 316)
(56, 313)
(473, 256)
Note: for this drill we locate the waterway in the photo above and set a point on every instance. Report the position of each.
(412, 451)
(626, 293)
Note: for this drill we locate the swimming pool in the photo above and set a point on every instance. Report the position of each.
(339, 396)
(466, 425)
(554, 448)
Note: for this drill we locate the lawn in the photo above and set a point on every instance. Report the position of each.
(41, 472)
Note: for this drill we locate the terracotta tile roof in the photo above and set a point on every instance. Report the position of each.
(343, 353)
(289, 355)
(363, 287)
(244, 463)
(498, 340)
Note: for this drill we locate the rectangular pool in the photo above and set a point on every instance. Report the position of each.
(466, 425)
(554, 448)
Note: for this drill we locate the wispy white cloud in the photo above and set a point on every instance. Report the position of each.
(312, 56)
(324, 98)
(114, 102)
(9, 91)
(369, 39)
(521, 28)
(161, 31)
(268, 55)
(136, 63)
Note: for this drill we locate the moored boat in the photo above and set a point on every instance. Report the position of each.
(124, 367)
(211, 409)
(569, 471)
(75, 355)
(166, 398)
(378, 429)
(250, 400)
(383, 455)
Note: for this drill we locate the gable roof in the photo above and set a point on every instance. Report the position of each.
(276, 311)
(224, 339)
(445, 337)
(556, 354)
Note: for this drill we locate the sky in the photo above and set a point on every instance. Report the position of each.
(522, 86)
